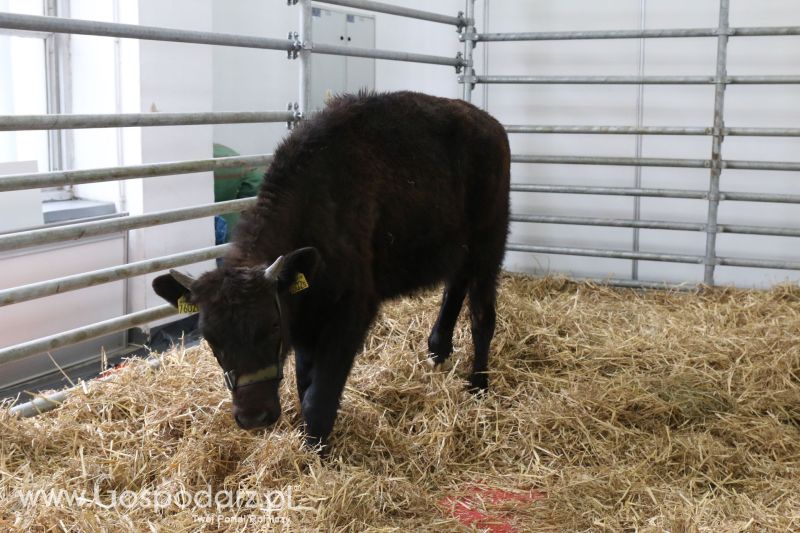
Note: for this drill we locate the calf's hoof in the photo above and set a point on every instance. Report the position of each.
(439, 362)
(478, 384)
(318, 445)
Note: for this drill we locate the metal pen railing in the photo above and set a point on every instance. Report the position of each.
(15, 182)
(655, 130)
(299, 45)
(137, 120)
(64, 284)
(82, 230)
(715, 163)
(637, 34)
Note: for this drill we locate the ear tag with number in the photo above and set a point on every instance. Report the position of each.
(184, 306)
(300, 284)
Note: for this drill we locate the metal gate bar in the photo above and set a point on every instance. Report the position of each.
(85, 333)
(389, 9)
(609, 191)
(656, 193)
(652, 256)
(614, 161)
(656, 224)
(613, 254)
(22, 239)
(635, 80)
(654, 130)
(341, 50)
(610, 130)
(654, 162)
(760, 197)
(15, 182)
(130, 120)
(38, 23)
(760, 31)
(41, 289)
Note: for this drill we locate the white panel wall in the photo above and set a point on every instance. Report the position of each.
(400, 33)
(660, 106)
(248, 80)
(253, 80)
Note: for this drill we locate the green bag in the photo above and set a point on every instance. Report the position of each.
(234, 183)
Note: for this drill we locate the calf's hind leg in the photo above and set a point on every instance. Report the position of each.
(440, 341)
(482, 298)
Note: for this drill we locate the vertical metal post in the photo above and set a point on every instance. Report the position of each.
(485, 49)
(716, 143)
(637, 178)
(306, 38)
(53, 80)
(469, 46)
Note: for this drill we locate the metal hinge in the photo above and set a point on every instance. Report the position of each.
(297, 117)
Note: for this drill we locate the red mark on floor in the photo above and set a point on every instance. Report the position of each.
(472, 509)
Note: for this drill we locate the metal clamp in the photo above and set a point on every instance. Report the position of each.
(462, 21)
(469, 34)
(461, 62)
(296, 45)
(466, 78)
(297, 117)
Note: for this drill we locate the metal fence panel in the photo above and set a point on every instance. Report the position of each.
(302, 45)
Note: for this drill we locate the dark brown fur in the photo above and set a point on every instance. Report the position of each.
(396, 192)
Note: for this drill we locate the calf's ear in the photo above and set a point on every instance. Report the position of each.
(297, 270)
(173, 286)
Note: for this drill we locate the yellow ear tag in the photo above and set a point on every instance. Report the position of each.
(185, 306)
(300, 284)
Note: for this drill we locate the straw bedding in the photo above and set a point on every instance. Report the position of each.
(617, 409)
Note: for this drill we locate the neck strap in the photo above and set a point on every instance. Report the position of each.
(268, 373)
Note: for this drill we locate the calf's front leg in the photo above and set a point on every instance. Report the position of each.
(322, 398)
(332, 360)
(303, 365)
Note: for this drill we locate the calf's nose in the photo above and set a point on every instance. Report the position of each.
(255, 420)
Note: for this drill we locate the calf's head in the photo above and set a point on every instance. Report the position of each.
(244, 317)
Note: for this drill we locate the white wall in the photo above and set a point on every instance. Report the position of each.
(248, 80)
(661, 106)
(410, 35)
